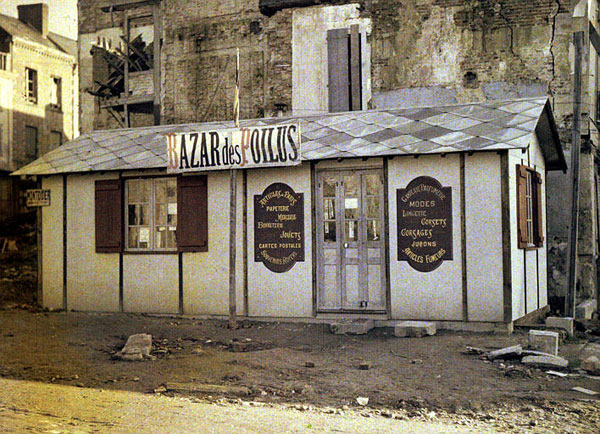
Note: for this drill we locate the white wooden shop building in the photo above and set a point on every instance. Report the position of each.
(433, 213)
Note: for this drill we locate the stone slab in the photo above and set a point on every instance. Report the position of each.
(506, 353)
(416, 329)
(352, 327)
(545, 361)
(544, 341)
(585, 309)
(136, 348)
(565, 323)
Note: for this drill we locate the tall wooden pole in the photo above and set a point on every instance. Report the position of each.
(233, 207)
(570, 299)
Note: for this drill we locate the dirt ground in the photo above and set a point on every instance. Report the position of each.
(410, 375)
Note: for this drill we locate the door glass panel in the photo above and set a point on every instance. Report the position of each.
(351, 185)
(351, 231)
(329, 187)
(373, 230)
(373, 183)
(373, 207)
(351, 207)
(329, 209)
(329, 231)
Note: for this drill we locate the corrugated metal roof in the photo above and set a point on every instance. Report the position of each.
(425, 130)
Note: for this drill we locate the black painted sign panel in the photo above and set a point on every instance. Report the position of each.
(279, 227)
(424, 223)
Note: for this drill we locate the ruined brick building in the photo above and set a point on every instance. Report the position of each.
(38, 99)
(313, 56)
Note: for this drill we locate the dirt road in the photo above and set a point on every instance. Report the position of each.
(53, 409)
(409, 377)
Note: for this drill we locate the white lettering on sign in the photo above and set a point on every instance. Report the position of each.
(264, 146)
(37, 197)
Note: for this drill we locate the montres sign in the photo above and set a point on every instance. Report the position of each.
(253, 147)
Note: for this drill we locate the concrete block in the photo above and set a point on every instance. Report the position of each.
(545, 361)
(416, 329)
(556, 322)
(506, 353)
(352, 327)
(544, 341)
(585, 309)
(136, 348)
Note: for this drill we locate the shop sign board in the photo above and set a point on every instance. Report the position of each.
(37, 197)
(252, 147)
(424, 223)
(279, 227)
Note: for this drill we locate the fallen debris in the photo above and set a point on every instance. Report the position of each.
(309, 364)
(137, 348)
(351, 327)
(364, 366)
(506, 353)
(545, 361)
(557, 374)
(361, 400)
(544, 341)
(584, 390)
(591, 365)
(474, 351)
(208, 389)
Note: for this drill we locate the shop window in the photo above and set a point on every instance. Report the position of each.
(31, 85)
(56, 93)
(529, 208)
(161, 214)
(31, 141)
(344, 69)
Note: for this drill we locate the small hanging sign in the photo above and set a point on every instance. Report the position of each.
(37, 197)
(424, 223)
(279, 227)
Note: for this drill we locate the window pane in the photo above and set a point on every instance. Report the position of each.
(351, 208)
(329, 231)
(351, 185)
(133, 238)
(329, 209)
(373, 207)
(160, 191)
(374, 185)
(373, 230)
(132, 213)
(171, 242)
(329, 187)
(144, 237)
(350, 232)
(161, 214)
(172, 190)
(144, 214)
(161, 237)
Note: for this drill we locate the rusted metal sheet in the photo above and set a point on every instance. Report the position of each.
(424, 223)
(279, 227)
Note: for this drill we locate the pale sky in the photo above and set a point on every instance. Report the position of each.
(62, 14)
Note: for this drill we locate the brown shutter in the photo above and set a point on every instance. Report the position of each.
(192, 210)
(109, 216)
(522, 206)
(538, 215)
(355, 69)
(338, 70)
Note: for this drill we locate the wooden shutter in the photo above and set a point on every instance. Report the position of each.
(538, 214)
(355, 69)
(338, 70)
(109, 216)
(192, 210)
(522, 206)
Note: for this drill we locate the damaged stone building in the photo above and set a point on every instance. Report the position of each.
(149, 62)
(38, 102)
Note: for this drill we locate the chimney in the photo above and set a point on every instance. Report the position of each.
(36, 15)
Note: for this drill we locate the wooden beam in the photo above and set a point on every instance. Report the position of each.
(130, 4)
(232, 246)
(570, 299)
(140, 54)
(594, 37)
(156, 62)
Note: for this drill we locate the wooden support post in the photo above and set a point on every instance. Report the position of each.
(570, 299)
(156, 62)
(126, 66)
(40, 301)
(232, 247)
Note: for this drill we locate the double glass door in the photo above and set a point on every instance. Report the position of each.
(350, 241)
